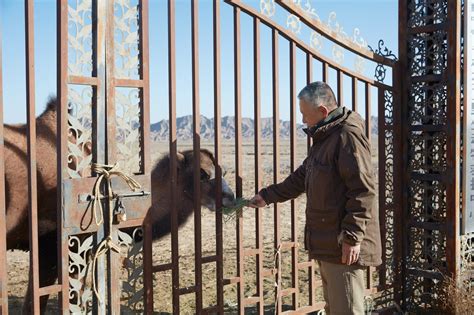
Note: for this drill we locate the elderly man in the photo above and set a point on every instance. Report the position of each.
(342, 226)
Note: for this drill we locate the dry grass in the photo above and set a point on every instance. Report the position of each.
(458, 298)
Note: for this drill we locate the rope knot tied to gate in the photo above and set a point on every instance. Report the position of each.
(106, 172)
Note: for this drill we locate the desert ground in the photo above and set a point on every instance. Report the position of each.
(18, 268)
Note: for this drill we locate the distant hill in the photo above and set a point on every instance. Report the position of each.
(184, 126)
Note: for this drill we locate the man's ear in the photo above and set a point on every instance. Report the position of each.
(324, 110)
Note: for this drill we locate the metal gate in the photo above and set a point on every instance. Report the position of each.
(103, 118)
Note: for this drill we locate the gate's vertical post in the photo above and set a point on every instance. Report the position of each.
(3, 229)
(145, 136)
(398, 223)
(294, 216)
(217, 153)
(382, 129)
(258, 177)
(173, 154)
(238, 159)
(402, 176)
(454, 136)
(311, 268)
(276, 153)
(31, 153)
(196, 160)
(62, 129)
(99, 142)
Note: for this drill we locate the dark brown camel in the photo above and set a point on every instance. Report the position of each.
(16, 192)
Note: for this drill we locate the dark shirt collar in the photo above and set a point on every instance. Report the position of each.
(332, 116)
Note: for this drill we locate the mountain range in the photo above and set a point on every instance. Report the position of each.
(184, 128)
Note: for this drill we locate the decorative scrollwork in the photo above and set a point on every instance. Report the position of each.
(267, 7)
(80, 296)
(132, 275)
(316, 41)
(293, 23)
(128, 137)
(80, 38)
(79, 131)
(127, 39)
(380, 70)
(337, 54)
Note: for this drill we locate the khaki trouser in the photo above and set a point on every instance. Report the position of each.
(343, 288)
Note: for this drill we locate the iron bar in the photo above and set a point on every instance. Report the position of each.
(3, 228)
(382, 172)
(368, 123)
(238, 160)
(112, 283)
(34, 284)
(355, 108)
(340, 87)
(217, 153)
(173, 154)
(294, 217)
(311, 267)
(453, 149)
(62, 126)
(258, 179)
(276, 151)
(147, 167)
(196, 160)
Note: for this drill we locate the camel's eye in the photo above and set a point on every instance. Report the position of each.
(204, 175)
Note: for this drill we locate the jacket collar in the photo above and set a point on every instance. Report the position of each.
(329, 124)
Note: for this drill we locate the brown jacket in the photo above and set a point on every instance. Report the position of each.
(338, 179)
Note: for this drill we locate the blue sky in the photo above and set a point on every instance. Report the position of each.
(376, 19)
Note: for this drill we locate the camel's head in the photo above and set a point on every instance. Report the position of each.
(207, 179)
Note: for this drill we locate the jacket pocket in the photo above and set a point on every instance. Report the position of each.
(323, 228)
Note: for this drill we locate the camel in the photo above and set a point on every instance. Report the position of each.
(16, 192)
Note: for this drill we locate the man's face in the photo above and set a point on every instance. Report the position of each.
(312, 115)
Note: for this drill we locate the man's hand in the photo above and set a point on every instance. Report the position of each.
(350, 254)
(257, 202)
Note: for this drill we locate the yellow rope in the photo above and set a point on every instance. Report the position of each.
(106, 172)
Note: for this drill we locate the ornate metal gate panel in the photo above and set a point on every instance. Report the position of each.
(104, 122)
(431, 57)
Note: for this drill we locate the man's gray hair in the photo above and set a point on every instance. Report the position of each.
(318, 93)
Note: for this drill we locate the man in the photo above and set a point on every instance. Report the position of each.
(342, 226)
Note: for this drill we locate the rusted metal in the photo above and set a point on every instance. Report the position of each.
(355, 94)
(197, 161)
(31, 152)
(312, 264)
(294, 216)
(398, 122)
(368, 123)
(62, 125)
(325, 71)
(453, 149)
(238, 160)
(112, 286)
(302, 45)
(3, 228)
(258, 175)
(99, 142)
(309, 78)
(340, 87)
(381, 175)
(173, 153)
(276, 150)
(217, 153)
(322, 29)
